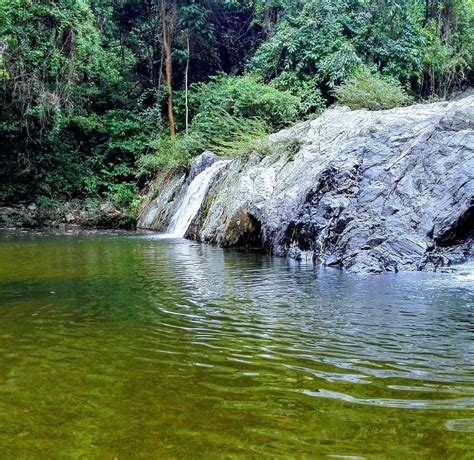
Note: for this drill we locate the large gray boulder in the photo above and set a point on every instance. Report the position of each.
(366, 191)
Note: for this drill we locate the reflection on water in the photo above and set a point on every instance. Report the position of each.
(134, 347)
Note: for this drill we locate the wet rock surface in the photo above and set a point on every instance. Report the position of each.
(201, 163)
(165, 192)
(366, 191)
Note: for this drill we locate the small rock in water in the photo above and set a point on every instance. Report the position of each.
(462, 425)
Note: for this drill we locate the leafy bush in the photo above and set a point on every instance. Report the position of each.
(230, 116)
(366, 90)
(167, 153)
(123, 195)
(245, 97)
(306, 89)
(219, 131)
(309, 43)
(227, 134)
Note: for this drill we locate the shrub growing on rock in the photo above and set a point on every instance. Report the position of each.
(246, 97)
(367, 90)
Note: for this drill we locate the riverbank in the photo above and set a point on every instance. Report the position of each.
(78, 213)
(366, 191)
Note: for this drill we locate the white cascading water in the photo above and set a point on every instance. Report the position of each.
(192, 201)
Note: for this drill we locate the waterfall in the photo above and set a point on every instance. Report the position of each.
(192, 201)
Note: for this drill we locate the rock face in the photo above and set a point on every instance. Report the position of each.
(74, 213)
(170, 187)
(367, 191)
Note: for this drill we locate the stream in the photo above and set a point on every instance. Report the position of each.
(127, 345)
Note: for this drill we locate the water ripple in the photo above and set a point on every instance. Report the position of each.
(129, 337)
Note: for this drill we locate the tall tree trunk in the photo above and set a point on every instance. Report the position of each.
(269, 21)
(160, 75)
(186, 85)
(168, 67)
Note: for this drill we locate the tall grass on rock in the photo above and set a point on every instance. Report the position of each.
(372, 91)
(230, 116)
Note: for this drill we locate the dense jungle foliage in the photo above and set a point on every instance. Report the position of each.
(98, 94)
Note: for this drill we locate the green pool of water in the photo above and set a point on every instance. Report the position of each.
(127, 346)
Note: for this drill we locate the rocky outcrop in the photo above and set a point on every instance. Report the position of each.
(366, 191)
(167, 190)
(73, 213)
